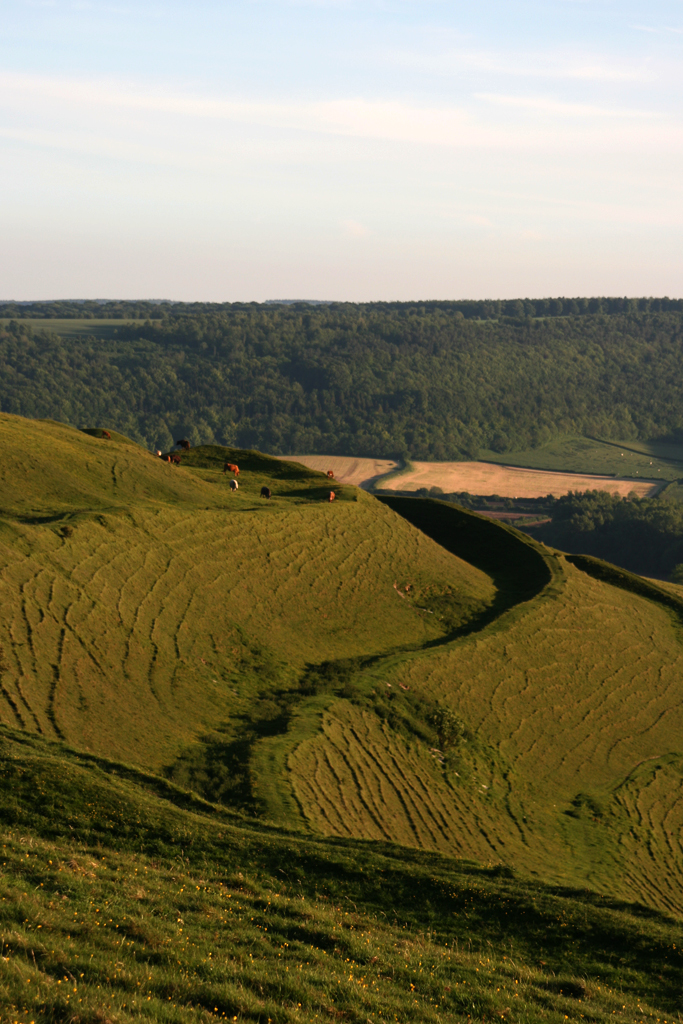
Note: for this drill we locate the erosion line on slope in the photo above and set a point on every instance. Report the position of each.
(56, 676)
(12, 703)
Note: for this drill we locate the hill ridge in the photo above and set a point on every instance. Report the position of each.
(331, 667)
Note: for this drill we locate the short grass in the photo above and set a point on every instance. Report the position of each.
(396, 671)
(73, 328)
(124, 899)
(570, 697)
(655, 460)
(148, 613)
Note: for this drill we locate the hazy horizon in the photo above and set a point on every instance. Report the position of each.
(382, 150)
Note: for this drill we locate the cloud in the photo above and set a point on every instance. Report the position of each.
(127, 119)
(554, 65)
(354, 229)
(388, 120)
(559, 108)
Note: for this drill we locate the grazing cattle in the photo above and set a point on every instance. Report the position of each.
(332, 496)
(175, 459)
(185, 445)
(157, 453)
(233, 485)
(330, 474)
(266, 492)
(105, 433)
(231, 467)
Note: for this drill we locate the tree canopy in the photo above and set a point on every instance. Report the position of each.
(380, 380)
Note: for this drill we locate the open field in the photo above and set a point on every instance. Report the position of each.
(561, 700)
(359, 472)
(590, 455)
(73, 328)
(518, 478)
(510, 481)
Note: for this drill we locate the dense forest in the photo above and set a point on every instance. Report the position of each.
(643, 535)
(428, 380)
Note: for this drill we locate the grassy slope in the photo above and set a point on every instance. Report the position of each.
(269, 655)
(125, 899)
(574, 703)
(142, 608)
(590, 455)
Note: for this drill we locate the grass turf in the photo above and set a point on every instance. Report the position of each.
(397, 671)
(655, 460)
(125, 899)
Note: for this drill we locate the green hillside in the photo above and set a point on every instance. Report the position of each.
(144, 606)
(125, 899)
(360, 686)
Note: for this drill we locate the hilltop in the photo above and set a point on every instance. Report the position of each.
(197, 684)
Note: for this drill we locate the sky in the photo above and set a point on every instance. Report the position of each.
(341, 150)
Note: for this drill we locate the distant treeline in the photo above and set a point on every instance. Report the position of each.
(644, 535)
(380, 380)
(470, 309)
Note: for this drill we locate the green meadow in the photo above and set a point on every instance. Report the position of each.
(652, 460)
(294, 759)
(66, 328)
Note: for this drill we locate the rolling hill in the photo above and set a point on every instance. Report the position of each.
(289, 699)
(127, 899)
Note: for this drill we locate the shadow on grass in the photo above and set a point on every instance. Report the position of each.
(517, 566)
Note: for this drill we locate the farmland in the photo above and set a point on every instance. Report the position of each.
(510, 481)
(565, 465)
(72, 328)
(659, 460)
(355, 707)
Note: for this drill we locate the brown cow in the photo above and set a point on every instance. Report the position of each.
(185, 445)
(266, 492)
(175, 459)
(231, 467)
(332, 496)
(105, 433)
(330, 474)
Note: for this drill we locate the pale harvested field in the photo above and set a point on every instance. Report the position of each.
(511, 481)
(346, 470)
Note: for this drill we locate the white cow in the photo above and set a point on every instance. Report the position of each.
(233, 485)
